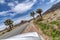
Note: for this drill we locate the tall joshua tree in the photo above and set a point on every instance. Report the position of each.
(39, 12)
(32, 14)
(9, 23)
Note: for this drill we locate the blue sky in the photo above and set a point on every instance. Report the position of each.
(18, 10)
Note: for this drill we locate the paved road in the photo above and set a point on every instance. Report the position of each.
(16, 31)
(19, 30)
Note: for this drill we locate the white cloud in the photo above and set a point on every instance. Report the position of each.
(18, 20)
(58, 0)
(43, 0)
(23, 7)
(2, 1)
(19, 8)
(16, 2)
(3, 12)
(2, 27)
(51, 1)
(11, 4)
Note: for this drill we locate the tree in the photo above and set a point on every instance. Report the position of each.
(39, 12)
(32, 14)
(9, 23)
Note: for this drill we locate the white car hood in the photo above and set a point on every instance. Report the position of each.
(25, 36)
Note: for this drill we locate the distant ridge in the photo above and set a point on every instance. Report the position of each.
(53, 8)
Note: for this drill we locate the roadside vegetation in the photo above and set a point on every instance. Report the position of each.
(56, 23)
(51, 29)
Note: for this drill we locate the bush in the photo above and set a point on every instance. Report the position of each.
(56, 23)
(39, 19)
(49, 30)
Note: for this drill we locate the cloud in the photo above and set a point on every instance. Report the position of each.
(11, 4)
(19, 8)
(16, 2)
(2, 27)
(51, 1)
(43, 0)
(18, 20)
(3, 12)
(23, 7)
(2, 1)
(58, 0)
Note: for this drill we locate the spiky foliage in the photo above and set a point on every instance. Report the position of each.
(39, 12)
(9, 23)
(32, 14)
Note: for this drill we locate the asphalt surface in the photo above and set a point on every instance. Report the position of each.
(15, 31)
(18, 31)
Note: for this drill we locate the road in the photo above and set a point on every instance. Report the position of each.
(25, 28)
(14, 32)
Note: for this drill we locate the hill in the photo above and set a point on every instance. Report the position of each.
(50, 25)
(53, 8)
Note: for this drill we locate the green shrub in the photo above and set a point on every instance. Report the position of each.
(56, 23)
(48, 29)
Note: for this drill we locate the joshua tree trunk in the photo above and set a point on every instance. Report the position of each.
(33, 17)
(41, 16)
(10, 27)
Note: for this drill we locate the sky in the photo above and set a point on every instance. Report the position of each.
(18, 10)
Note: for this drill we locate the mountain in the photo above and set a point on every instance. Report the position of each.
(53, 8)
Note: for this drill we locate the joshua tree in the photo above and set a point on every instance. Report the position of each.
(32, 14)
(39, 12)
(9, 23)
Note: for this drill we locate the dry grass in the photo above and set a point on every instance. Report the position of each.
(50, 25)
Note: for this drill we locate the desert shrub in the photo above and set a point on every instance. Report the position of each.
(44, 26)
(49, 30)
(39, 19)
(55, 33)
(55, 14)
(56, 23)
(58, 18)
